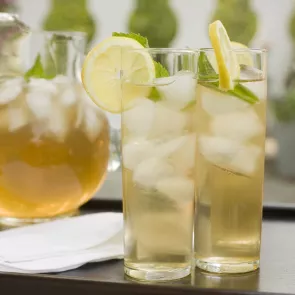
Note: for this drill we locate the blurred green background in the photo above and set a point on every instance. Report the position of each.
(178, 23)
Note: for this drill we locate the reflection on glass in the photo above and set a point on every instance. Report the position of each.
(249, 282)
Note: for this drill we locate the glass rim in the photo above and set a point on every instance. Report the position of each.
(237, 50)
(63, 33)
(164, 50)
(154, 50)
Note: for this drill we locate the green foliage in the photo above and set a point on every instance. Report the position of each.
(238, 18)
(70, 15)
(154, 19)
(154, 95)
(160, 70)
(284, 109)
(37, 71)
(140, 39)
(292, 26)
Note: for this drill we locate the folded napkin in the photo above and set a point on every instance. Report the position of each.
(62, 244)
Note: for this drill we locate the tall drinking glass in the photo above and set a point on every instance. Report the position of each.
(54, 142)
(158, 148)
(230, 165)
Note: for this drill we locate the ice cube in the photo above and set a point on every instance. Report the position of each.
(183, 159)
(249, 73)
(218, 150)
(61, 79)
(167, 122)
(150, 171)
(135, 151)
(68, 96)
(40, 104)
(216, 103)
(18, 118)
(58, 124)
(167, 148)
(178, 90)
(10, 89)
(79, 114)
(240, 126)
(42, 85)
(139, 118)
(93, 123)
(229, 154)
(259, 88)
(245, 161)
(177, 188)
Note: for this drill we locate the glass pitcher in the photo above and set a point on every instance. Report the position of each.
(54, 142)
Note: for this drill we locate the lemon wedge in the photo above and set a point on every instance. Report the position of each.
(227, 62)
(103, 68)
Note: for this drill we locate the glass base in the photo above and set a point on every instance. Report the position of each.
(215, 267)
(11, 222)
(150, 273)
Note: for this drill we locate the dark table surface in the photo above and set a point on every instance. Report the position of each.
(277, 272)
(276, 275)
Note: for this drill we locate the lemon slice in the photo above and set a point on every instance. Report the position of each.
(244, 57)
(103, 68)
(228, 66)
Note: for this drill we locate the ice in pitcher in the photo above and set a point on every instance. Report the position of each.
(54, 147)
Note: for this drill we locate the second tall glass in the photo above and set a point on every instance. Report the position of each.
(158, 148)
(230, 165)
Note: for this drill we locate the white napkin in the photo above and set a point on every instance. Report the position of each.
(62, 244)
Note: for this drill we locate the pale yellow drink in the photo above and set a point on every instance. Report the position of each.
(230, 173)
(53, 149)
(158, 147)
(155, 90)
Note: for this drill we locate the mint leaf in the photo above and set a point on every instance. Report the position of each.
(37, 70)
(154, 95)
(160, 70)
(140, 39)
(239, 91)
(207, 74)
(205, 69)
(160, 73)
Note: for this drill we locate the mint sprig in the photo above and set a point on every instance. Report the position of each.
(37, 71)
(205, 69)
(209, 78)
(155, 95)
(160, 70)
(140, 39)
